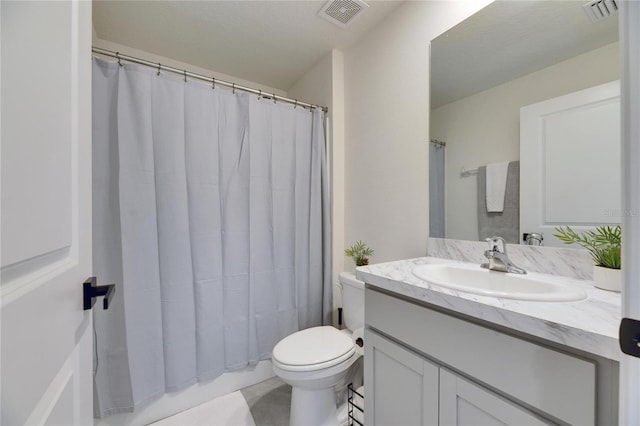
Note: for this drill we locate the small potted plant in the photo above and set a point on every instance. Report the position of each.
(360, 253)
(604, 246)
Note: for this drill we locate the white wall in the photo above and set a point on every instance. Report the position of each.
(485, 127)
(315, 85)
(387, 122)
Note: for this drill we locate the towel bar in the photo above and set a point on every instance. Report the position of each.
(468, 172)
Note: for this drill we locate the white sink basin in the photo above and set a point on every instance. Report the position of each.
(473, 279)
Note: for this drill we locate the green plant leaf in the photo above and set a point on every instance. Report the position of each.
(603, 243)
(360, 253)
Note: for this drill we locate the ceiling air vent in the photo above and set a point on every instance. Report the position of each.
(600, 9)
(342, 12)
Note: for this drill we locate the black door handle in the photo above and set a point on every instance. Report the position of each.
(90, 290)
(630, 337)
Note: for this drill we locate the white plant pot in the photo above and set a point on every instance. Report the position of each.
(607, 278)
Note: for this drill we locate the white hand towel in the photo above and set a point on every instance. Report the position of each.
(496, 186)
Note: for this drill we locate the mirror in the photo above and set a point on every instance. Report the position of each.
(509, 55)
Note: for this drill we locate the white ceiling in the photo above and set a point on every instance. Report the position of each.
(509, 39)
(268, 42)
(274, 42)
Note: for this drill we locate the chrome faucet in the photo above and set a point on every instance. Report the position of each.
(533, 239)
(498, 260)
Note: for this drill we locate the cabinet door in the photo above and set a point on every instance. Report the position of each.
(402, 387)
(465, 403)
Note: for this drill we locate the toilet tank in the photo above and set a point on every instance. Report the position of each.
(352, 300)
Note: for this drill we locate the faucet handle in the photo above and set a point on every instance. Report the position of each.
(497, 244)
(533, 239)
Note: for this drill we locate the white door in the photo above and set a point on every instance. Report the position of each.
(630, 42)
(570, 162)
(46, 365)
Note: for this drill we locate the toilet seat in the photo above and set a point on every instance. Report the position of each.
(313, 349)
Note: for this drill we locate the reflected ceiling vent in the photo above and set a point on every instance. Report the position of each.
(600, 9)
(342, 12)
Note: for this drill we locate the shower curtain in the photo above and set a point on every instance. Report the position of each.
(211, 215)
(436, 190)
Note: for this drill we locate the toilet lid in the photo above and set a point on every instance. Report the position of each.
(315, 345)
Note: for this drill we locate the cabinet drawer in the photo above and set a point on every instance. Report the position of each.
(554, 382)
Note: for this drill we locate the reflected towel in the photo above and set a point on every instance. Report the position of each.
(496, 186)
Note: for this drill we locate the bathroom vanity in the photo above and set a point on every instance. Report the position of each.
(438, 356)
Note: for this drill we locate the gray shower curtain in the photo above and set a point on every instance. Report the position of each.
(436, 191)
(211, 215)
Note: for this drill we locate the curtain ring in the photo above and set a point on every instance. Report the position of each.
(274, 98)
(295, 105)
(213, 84)
(233, 88)
(159, 68)
(259, 94)
(185, 76)
(118, 56)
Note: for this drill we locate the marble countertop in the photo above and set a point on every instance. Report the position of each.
(590, 325)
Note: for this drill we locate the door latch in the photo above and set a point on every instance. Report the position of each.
(90, 290)
(630, 337)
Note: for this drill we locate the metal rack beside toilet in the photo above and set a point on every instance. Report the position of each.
(353, 408)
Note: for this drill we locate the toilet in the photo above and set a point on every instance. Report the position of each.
(316, 361)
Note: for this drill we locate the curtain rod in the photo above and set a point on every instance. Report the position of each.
(201, 77)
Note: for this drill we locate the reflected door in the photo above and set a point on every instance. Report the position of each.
(570, 164)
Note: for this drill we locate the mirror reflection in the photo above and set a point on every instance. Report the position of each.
(517, 143)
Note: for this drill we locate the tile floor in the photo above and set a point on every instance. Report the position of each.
(263, 404)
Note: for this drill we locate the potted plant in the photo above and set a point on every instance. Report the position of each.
(360, 253)
(604, 246)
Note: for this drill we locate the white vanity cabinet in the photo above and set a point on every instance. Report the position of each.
(406, 385)
(410, 390)
(425, 366)
(465, 403)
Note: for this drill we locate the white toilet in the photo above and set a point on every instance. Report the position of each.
(316, 361)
